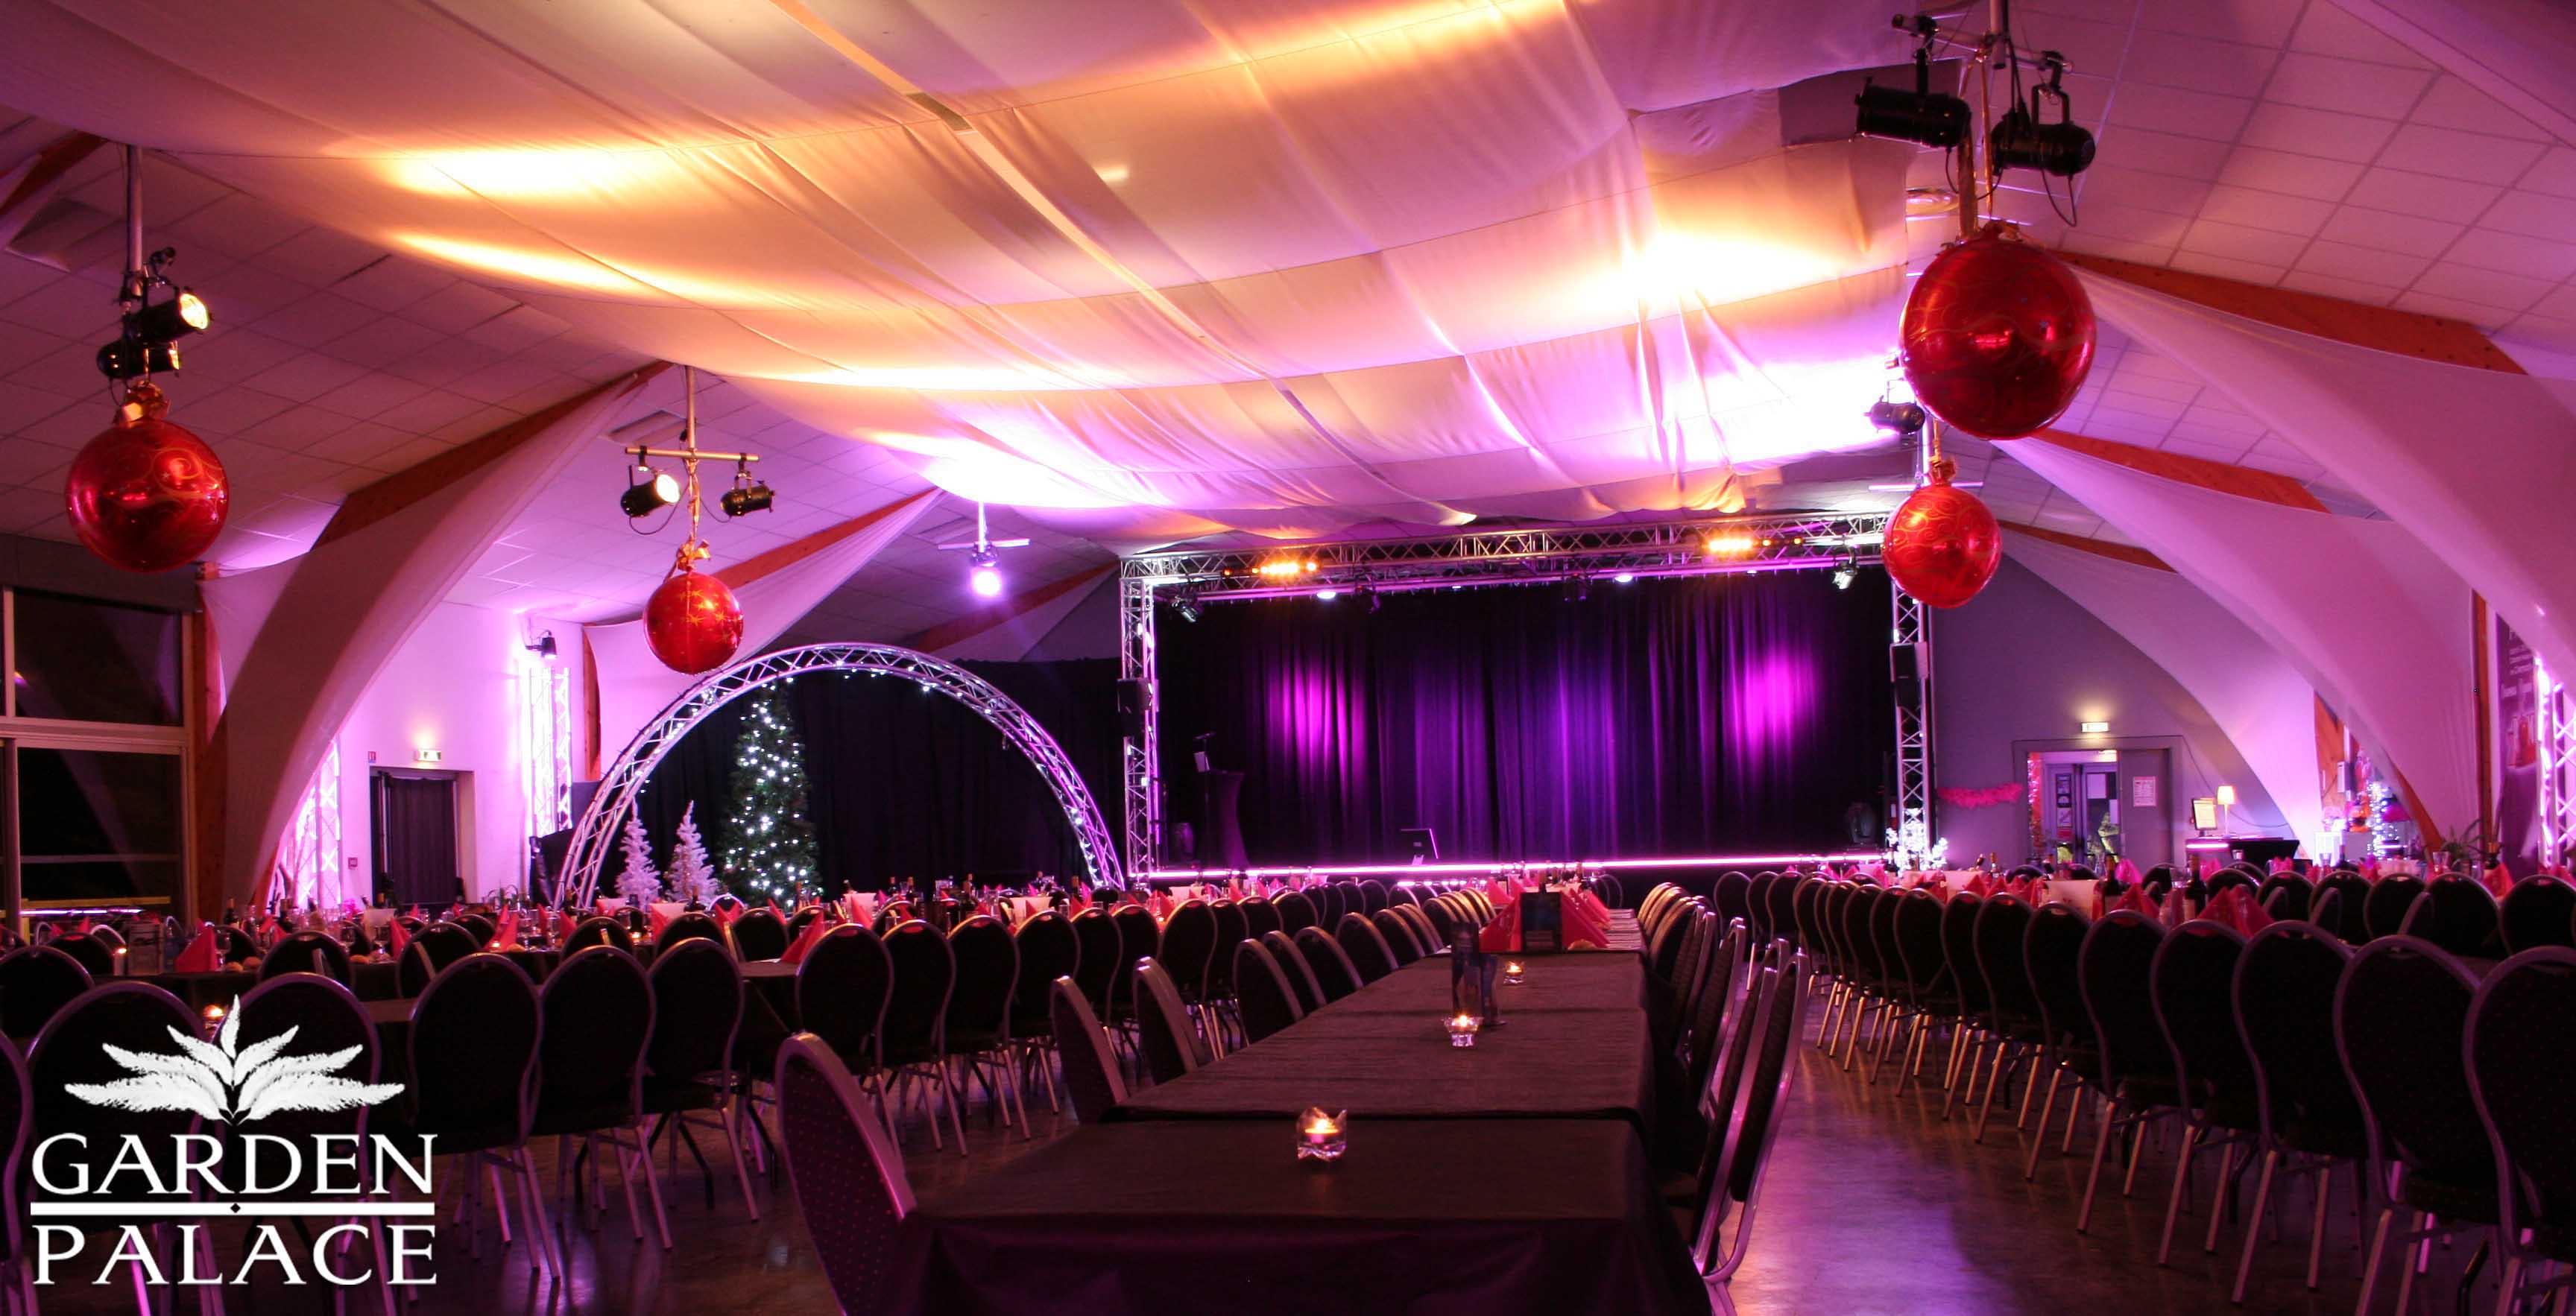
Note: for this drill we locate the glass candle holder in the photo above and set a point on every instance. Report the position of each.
(1514, 972)
(1322, 1137)
(1462, 1030)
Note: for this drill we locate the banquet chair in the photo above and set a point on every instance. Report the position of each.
(2401, 1017)
(472, 1058)
(912, 1044)
(1652, 904)
(88, 952)
(2352, 891)
(1334, 972)
(2519, 1045)
(17, 1124)
(2310, 1121)
(1732, 897)
(1692, 973)
(1373, 897)
(1842, 996)
(1612, 895)
(1773, 1021)
(72, 1049)
(1232, 926)
(2188, 983)
(1444, 920)
(1092, 1081)
(1096, 967)
(1423, 934)
(1171, 1047)
(1048, 951)
(1296, 910)
(597, 1021)
(36, 982)
(1866, 973)
(2286, 895)
(690, 1064)
(977, 1035)
(2012, 1009)
(759, 934)
(599, 930)
(480, 926)
(1367, 949)
(1139, 938)
(1187, 949)
(1781, 900)
(2327, 911)
(2455, 913)
(2227, 878)
(1757, 906)
(1710, 1015)
(848, 1174)
(2133, 1068)
(843, 988)
(1259, 915)
(307, 952)
(1334, 900)
(1301, 975)
(2538, 911)
(1269, 1003)
(687, 925)
(1928, 991)
(2388, 901)
(2049, 950)
(1400, 938)
(1663, 949)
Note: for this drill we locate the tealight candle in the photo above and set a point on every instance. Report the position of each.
(1513, 972)
(1321, 1137)
(1462, 1030)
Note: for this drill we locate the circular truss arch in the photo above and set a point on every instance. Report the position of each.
(624, 780)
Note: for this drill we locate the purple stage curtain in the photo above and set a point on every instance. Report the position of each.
(1712, 715)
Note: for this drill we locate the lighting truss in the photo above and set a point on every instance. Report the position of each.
(2557, 707)
(619, 786)
(1779, 541)
(1912, 825)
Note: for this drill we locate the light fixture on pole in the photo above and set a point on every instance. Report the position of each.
(544, 647)
(984, 561)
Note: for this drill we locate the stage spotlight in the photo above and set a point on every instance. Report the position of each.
(544, 647)
(650, 491)
(1844, 576)
(1730, 545)
(126, 358)
(2021, 141)
(178, 317)
(1624, 577)
(1921, 116)
(1186, 604)
(1575, 588)
(986, 577)
(1899, 418)
(1328, 594)
(746, 496)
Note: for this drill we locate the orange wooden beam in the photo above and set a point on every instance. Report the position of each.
(968, 627)
(2129, 553)
(2242, 481)
(50, 165)
(2382, 328)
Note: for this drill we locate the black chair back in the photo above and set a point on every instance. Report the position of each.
(1779, 904)
(1188, 944)
(1732, 897)
(758, 935)
(36, 982)
(1718, 994)
(1301, 975)
(477, 924)
(1331, 902)
(17, 1125)
(446, 943)
(2113, 968)
(988, 967)
(849, 1178)
(1917, 919)
(2385, 906)
(70, 1064)
(1048, 951)
(2455, 913)
(1400, 939)
(1444, 924)
(1139, 938)
(2351, 891)
(2401, 1018)
(1367, 951)
(599, 930)
(1091, 1075)
(2001, 925)
(1373, 897)
(2286, 895)
(2050, 950)
(475, 1032)
(1262, 993)
(697, 1013)
(88, 951)
(2538, 911)
(2285, 988)
(684, 926)
(843, 986)
(1334, 971)
(1295, 911)
(2190, 982)
(1259, 915)
(1096, 968)
(598, 1011)
(925, 974)
(1231, 928)
(1959, 950)
(1170, 1044)
(2521, 1040)
(307, 952)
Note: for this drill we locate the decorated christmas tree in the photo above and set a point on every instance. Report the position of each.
(693, 879)
(641, 883)
(769, 842)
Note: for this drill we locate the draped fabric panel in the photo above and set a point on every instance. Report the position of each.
(634, 685)
(2476, 463)
(1711, 715)
(902, 784)
(2254, 695)
(344, 608)
(2369, 616)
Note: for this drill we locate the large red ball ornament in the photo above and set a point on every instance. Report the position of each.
(1942, 545)
(693, 623)
(1997, 336)
(146, 495)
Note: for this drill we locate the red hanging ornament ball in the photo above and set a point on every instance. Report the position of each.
(1997, 336)
(693, 622)
(146, 495)
(1942, 544)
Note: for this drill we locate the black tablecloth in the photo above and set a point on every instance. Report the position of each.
(1575, 1046)
(1478, 1218)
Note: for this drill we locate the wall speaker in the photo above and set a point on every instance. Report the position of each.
(1905, 668)
(1131, 709)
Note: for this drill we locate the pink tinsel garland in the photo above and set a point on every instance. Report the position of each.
(1980, 797)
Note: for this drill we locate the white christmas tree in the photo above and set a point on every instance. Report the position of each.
(641, 883)
(693, 878)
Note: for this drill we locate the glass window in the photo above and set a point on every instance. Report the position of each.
(100, 826)
(97, 662)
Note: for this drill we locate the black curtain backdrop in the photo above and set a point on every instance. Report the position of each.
(1707, 715)
(903, 783)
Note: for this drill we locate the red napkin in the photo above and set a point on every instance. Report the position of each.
(1080, 902)
(655, 920)
(2370, 869)
(805, 941)
(1503, 935)
(201, 956)
(506, 936)
(401, 938)
(2176, 910)
(725, 915)
(2499, 882)
(2135, 898)
(415, 913)
(2127, 872)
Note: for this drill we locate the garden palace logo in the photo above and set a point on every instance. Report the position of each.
(232, 1173)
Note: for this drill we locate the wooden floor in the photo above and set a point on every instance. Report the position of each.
(1873, 1204)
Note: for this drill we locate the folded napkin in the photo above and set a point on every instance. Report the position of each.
(2499, 882)
(203, 955)
(2127, 872)
(2176, 910)
(506, 935)
(401, 939)
(655, 919)
(805, 942)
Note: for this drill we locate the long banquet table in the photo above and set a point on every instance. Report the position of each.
(1508, 1177)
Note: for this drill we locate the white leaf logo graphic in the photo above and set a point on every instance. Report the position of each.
(220, 1081)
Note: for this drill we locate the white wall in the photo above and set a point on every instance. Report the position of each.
(450, 688)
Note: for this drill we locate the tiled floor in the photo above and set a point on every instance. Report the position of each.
(1873, 1204)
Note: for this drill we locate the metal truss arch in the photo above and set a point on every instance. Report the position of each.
(625, 778)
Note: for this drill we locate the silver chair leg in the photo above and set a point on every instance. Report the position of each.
(2181, 1186)
(2254, 1223)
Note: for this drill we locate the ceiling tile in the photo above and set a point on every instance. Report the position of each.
(2477, 157)
(2188, 157)
(2240, 243)
(2452, 103)
(2466, 283)
(2535, 257)
(2422, 195)
(2342, 260)
(2137, 189)
(2328, 30)
(2302, 131)
(2532, 215)
(2254, 22)
(2483, 316)
(2322, 82)
(2265, 210)
(2555, 174)
(2298, 175)
(2183, 113)
(2172, 59)
(2387, 232)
